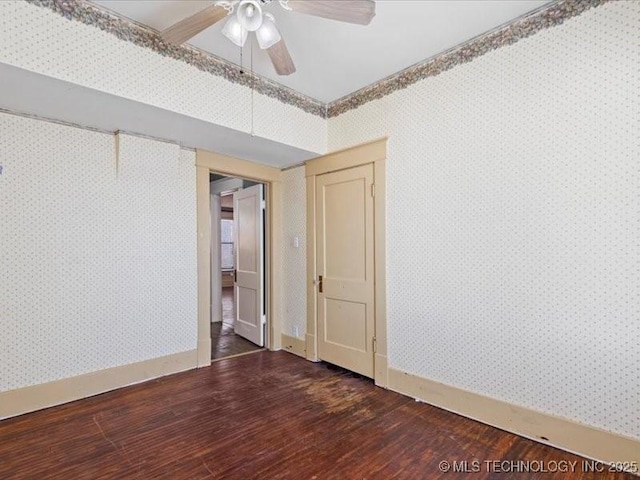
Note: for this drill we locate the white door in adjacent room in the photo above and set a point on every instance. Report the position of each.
(248, 207)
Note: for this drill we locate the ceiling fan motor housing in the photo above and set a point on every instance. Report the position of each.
(250, 14)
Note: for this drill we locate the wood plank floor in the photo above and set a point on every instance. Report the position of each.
(224, 341)
(266, 415)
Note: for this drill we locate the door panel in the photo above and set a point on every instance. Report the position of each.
(247, 308)
(345, 259)
(247, 207)
(344, 230)
(350, 333)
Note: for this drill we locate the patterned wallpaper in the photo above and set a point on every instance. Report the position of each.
(513, 187)
(98, 262)
(294, 259)
(39, 40)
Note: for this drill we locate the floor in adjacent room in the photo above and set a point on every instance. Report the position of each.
(268, 415)
(224, 341)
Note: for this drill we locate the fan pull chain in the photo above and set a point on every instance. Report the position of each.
(253, 82)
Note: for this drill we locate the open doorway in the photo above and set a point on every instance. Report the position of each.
(238, 313)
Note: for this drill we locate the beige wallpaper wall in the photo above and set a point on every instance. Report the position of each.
(513, 261)
(98, 262)
(294, 258)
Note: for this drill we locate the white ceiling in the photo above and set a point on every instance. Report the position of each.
(334, 58)
(31, 93)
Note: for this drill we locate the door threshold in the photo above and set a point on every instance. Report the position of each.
(238, 355)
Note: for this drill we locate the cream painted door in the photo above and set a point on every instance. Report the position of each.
(344, 230)
(249, 289)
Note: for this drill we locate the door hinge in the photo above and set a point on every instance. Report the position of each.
(320, 284)
(373, 189)
(263, 204)
(375, 344)
(264, 319)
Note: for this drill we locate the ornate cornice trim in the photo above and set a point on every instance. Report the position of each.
(143, 36)
(548, 16)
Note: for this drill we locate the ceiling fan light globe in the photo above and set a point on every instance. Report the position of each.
(267, 35)
(235, 32)
(249, 14)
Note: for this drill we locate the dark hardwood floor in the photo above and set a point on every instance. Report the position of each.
(224, 341)
(267, 415)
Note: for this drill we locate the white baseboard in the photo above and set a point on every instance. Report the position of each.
(294, 345)
(381, 371)
(310, 341)
(204, 351)
(565, 434)
(29, 399)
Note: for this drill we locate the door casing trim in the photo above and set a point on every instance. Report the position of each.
(207, 162)
(375, 153)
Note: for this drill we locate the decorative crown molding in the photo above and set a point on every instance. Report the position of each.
(551, 15)
(125, 29)
(548, 16)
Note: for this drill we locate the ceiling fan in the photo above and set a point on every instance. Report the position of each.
(249, 17)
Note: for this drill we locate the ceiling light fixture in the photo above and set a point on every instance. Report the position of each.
(250, 15)
(235, 32)
(268, 35)
(249, 18)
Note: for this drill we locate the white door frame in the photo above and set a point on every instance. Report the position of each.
(217, 188)
(369, 153)
(216, 270)
(207, 163)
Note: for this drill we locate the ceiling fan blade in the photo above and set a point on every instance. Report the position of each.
(193, 25)
(350, 11)
(281, 59)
